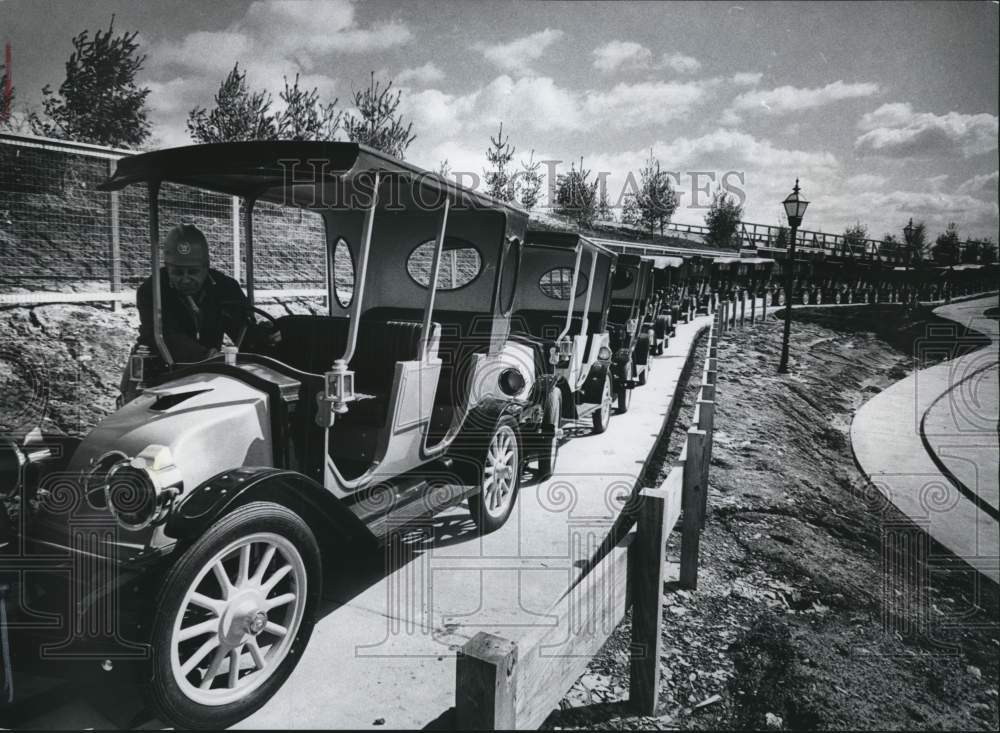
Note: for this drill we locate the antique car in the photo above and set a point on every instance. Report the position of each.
(666, 276)
(630, 333)
(562, 304)
(210, 499)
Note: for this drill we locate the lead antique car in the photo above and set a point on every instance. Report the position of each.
(562, 307)
(215, 492)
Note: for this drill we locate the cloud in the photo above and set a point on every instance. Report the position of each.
(896, 131)
(517, 55)
(680, 63)
(986, 183)
(790, 99)
(425, 74)
(865, 182)
(747, 78)
(625, 54)
(646, 103)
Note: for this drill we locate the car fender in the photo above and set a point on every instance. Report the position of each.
(593, 386)
(206, 504)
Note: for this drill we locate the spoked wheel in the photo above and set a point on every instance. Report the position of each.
(602, 416)
(500, 477)
(234, 616)
(547, 459)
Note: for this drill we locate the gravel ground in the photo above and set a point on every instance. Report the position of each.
(801, 620)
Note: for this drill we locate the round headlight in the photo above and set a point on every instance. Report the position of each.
(131, 496)
(511, 382)
(604, 353)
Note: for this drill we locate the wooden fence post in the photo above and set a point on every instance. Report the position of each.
(647, 562)
(486, 684)
(743, 307)
(691, 503)
(706, 421)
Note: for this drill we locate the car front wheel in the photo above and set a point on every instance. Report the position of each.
(499, 478)
(602, 416)
(234, 616)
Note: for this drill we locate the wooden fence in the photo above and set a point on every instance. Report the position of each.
(504, 684)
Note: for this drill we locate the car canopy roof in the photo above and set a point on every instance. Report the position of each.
(298, 173)
(564, 240)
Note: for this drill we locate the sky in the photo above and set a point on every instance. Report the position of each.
(883, 111)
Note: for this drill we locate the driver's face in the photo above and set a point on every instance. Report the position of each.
(187, 279)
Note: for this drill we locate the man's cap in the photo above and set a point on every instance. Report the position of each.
(185, 245)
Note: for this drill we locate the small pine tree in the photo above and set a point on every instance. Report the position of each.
(444, 168)
(889, 246)
(500, 183)
(946, 246)
(723, 219)
(531, 182)
(304, 116)
(656, 198)
(99, 102)
(377, 121)
(239, 114)
(604, 211)
(576, 195)
(854, 240)
(630, 210)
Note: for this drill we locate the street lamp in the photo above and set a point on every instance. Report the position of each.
(907, 237)
(795, 207)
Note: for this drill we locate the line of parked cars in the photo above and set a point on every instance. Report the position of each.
(192, 523)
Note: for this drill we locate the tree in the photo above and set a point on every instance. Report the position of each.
(630, 210)
(656, 200)
(99, 101)
(500, 184)
(604, 211)
(987, 251)
(239, 114)
(444, 168)
(723, 219)
(781, 238)
(377, 122)
(946, 246)
(531, 182)
(576, 196)
(971, 251)
(915, 244)
(855, 237)
(304, 116)
(889, 246)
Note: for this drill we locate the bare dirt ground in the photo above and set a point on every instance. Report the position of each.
(803, 618)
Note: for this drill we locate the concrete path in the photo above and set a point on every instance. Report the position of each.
(383, 653)
(929, 442)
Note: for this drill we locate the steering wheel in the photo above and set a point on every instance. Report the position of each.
(271, 326)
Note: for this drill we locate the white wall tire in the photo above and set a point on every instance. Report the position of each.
(499, 478)
(233, 617)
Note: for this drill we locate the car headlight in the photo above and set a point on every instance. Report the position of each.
(511, 382)
(604, 353)
(140, 491)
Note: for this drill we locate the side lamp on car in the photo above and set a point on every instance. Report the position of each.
(338, 391)
(604, 353)
(140, 491)
(632, 324)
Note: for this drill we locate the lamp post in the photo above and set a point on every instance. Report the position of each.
(795, 207)
(907, 235)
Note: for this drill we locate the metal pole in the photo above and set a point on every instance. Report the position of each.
(789, 281)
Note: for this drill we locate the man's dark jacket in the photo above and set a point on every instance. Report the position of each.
(223, 309)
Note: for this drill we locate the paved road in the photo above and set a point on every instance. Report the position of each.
(942, 416)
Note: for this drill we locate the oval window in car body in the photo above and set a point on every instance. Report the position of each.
(460, 264)
(556, 283)
(343, 273)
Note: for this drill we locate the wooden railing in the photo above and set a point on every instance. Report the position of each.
(502, 683)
